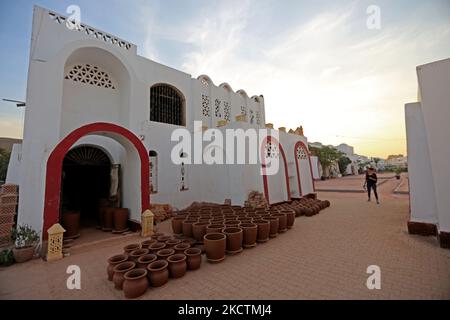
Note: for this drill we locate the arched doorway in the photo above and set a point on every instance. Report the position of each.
(122, 135)
(303, 159)
(86, 178)
(272, 144)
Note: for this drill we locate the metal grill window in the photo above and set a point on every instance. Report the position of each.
(166, 105)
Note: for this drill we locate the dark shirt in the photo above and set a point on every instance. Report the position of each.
(371, 178)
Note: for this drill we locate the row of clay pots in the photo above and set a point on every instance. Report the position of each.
(137, 268)
(196, 229)
(113, 219)
(232, 239)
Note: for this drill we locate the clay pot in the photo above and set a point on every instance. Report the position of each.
(177, 265)
(250, 234)
(235, 237)
(120, 219)
(193, 258)
(71, 222)
(114, 261)
(263, 230)
(165, 253)
(187, 227)
(215, 246)
(108, 216)
(131, 247)
(308, 211)
(136, 254)
(164, 238)
(290, 218)
(23, 254)
(147, 243)
(119, 272)
(191, 241)
(177, 225)
(199, 230)
(214, 228)
(135, 284)
(327, 203)
(156, 235)
(154, 248)
(158, 273)
(172, 243)
(282, 222)
(145, 260)
(273, 226)
(179, 248)
(229, 224)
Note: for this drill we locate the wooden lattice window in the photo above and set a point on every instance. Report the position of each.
(166, 105)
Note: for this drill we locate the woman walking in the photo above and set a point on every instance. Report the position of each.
(371, 183)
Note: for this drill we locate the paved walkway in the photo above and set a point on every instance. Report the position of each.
(322, 257)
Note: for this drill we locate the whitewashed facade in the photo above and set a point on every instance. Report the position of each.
(90, 89)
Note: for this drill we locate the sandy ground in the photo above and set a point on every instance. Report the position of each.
(322, 257)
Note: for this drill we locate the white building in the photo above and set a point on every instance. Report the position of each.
(428, 130)
(99, 120)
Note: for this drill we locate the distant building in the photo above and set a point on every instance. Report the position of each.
(397, 161)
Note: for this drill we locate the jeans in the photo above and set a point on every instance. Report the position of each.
(371, 186)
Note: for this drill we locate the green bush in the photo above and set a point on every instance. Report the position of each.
(6, 258)
(24, 236)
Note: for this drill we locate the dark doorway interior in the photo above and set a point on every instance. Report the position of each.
(86, 180)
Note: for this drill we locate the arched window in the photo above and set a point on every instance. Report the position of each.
(166, 105)
(153, 155)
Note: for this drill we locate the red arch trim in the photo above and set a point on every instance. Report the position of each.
(301, 144)
(55, 161)
(286, 173)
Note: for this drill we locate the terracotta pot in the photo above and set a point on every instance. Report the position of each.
(235, 237)
(136, 254)
(114, 261)
(179, 248)
(215, 246)
(108, 214)
(214, 228)
(177, 265)
(199, 230)
(154, 248)
(131, 247)
(191, 241)
(145, 260)
(135, 284)
(120, 219)
(147, 243)
(273, 226)
(172, 243)
(290, 218)
(250, 234)
(327, 203)
(282, 222)
(193, 258)
(156, 235)
(230, 224)
(187, 227)
(164, 238)
(119, 272)
(165, 253)
(177, 225)
(23, 254)
(158, 273)
(263, 230)
(308, 211)
(71, 222)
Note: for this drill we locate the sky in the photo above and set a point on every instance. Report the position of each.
(316, 62)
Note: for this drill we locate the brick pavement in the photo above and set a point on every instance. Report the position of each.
(322, 257)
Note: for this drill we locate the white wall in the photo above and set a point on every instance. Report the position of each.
(421, 187)
(434, 84)
(15, 160)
